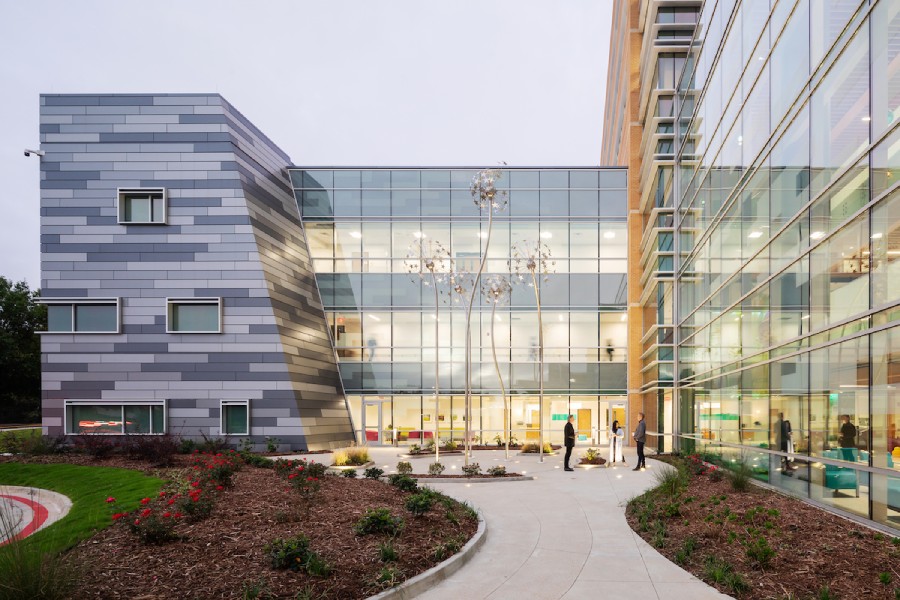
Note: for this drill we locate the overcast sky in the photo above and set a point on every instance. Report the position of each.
(338, 82)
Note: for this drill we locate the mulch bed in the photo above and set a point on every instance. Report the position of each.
(482, 476)
(813, 549)
(222, 556)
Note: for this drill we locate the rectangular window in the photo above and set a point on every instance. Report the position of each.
(235, 417)
(142, 206)
(82, 315)
(89, 416)
(194, 315)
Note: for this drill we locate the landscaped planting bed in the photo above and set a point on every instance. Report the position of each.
(756, 543)
(223, 529)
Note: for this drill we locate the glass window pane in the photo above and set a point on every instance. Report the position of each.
(885, 23)
(235, 419)
(405, 179)
(885, 255)
(89, 317)
(583, 179)
(318, 179)
(524, 179)
(317, 203)
(347, 179)
(159, 207)
(613, 178)
(137, 210)
(95, 419)
(376, 180)
(137, 419)
(195, 317)
(157, 419)
(59, 317)
(436, 179)
(554, 179)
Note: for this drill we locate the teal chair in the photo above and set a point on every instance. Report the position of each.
(841, 478)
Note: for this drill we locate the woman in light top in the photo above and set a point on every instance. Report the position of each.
(616, 437)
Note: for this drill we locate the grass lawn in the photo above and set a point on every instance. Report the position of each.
(87, 488)
(12, 439)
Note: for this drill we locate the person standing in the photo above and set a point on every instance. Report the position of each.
(640, 436)
(570, 441)
(847, 438)
(616, 434)
(784, 432)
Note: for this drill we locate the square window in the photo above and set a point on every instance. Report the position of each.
(68, 315)
(194, 315)
(235, 417)
(142, 206)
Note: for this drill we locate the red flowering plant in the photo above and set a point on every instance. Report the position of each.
(153, 522)
(215, 469)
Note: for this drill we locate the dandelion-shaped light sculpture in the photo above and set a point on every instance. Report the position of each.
(461, 284)
(497, 290)
(487, 197)
(529, 261)
(429, 261)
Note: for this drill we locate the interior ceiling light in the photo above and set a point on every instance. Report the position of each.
(866, 119)
(355, 235)
(876, 236)
(624, 317)
(755, 234)
(546, 235)
(374, 317)
(418, 235)
(609, 234)
(817, 235)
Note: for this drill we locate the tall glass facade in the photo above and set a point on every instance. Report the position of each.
(361, 225)
(788, 246)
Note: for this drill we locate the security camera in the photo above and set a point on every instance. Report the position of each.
(35, 152)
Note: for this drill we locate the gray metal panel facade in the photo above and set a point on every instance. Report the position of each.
(233, 232)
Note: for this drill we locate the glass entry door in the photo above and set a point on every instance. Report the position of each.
(373, 422)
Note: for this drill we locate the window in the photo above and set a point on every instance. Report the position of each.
(235, 417)
(82, 315)
(90, 416)
(144, 206)
(194, 315)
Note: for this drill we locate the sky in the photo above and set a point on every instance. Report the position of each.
(332, 82)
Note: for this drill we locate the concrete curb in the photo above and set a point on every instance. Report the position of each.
(423, 582)
(434, 480)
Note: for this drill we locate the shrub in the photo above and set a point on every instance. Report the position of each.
(212, 445)
(32, 444)
(723, 573)
(96, 445)
(471, 470)
(414, 449)
(157, 449)
(404, 467)
(351, 457)
(389, 577)
(349, 473)
(317, 566)
(28, 569)
(497, 471)
(373, 473)
(451, 445)
(387, 552)
(260, 462)
(669, 481)
(216, 469)
(154, 527)
(403, 482)
(448, 548)
(419, 504)
(288, 553)
(498, 439)
(885, 578)
(308, 487)
(760, 551)
(272, 444)
(436, 468)
(682, 555)
(378, 520)
(283, 467)
(534, 448)
(592, 456)
(196, 505)
(741, 477)
(315, 469)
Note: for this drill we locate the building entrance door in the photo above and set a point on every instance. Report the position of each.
(373, 422)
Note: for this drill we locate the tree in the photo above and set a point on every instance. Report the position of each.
(20, 352)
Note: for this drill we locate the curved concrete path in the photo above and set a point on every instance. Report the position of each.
(27, 510)
(563, 535)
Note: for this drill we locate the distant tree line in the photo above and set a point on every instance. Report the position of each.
(20, 352)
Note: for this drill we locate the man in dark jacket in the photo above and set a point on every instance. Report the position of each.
(570, 441)
(640, 436)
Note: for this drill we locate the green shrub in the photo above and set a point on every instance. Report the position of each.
(497, 471)
(534, 448)
(154, 527)
(387, 552)
(255, 590)
(414, 449)
(288, 553)
(721, 572)
(160, 450)
(436, 468)
(825, 594)
(404, 467)
(670, 481)
(760, 551)
(451, 445)
(687, 549)
(351, 457)
(272, 444)
(389, 577)
(317, 566)
(314, 469)
(885, 578)
(349, 473)
(448, 548)
(419, 504)
(378, 520)
(741, 476)
(373, 473)
(403, 482)
(471, 470)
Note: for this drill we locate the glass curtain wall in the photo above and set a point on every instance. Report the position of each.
(361, 225)
(788, 320)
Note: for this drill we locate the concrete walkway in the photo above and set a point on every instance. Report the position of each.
(563, 535)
